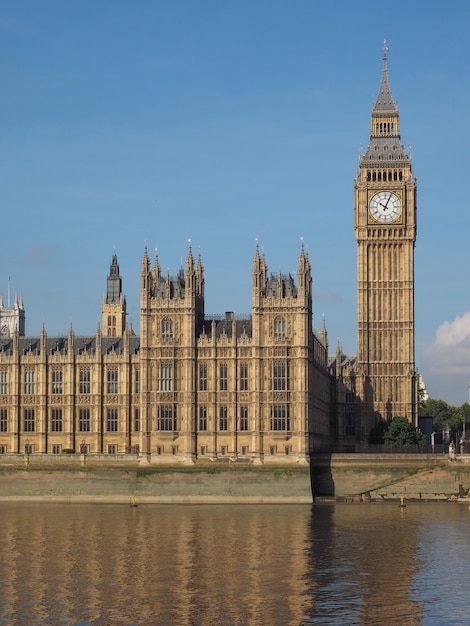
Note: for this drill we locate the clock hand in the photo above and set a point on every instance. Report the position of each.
(386, 204)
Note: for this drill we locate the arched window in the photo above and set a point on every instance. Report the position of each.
(167, 328)
(279, 328)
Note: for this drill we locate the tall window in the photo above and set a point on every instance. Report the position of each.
(167, 377)
(28, 420)
(56, 421)
(84, 379)
(203, 377)
(56, 381)
(136, 420)
(279, 328)
(223, 418)
(280, 419)
(243, 418)
(112, 325)
(223, 371)
(202, 418)
(244, 377)
(84, 420)
(29, 383)
(112, 421)
(3, 382)
(279, 377)
(3, 420)
(137, 381)
(167, 329)
(113, 381)
(166, 417)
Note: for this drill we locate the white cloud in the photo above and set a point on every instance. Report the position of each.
(450, 353)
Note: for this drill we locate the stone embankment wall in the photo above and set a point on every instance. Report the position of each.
(390, 477)
(356, 477)
(73, 478)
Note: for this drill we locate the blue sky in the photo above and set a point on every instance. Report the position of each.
(223, 122)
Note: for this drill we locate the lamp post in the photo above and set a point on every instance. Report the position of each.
(27, 451)
(83, 451)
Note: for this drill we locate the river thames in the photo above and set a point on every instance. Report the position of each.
(340, 564)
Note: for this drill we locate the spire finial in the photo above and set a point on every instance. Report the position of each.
(385, 49)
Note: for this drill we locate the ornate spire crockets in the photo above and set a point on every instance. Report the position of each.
(304, 271)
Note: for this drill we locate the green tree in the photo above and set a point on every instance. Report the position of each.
(463, 413)
(400, 432)
(440, 412)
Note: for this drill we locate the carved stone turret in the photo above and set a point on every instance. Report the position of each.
(114, 303)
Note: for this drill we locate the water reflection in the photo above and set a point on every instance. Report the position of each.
(213, 565)
(362, 563)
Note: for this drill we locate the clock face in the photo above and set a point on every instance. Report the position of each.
(385, 207)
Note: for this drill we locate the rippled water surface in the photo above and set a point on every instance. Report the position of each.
(252, 564)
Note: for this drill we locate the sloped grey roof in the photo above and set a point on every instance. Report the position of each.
(385, 102)
(284, 282)
(81, 345)
(225, 327)
(385, 149)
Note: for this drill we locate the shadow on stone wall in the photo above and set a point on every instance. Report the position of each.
(321, 475)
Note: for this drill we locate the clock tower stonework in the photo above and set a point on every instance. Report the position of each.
(385, 228)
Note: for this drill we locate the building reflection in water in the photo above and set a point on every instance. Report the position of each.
(153, 564)
(362, 564)
(211, 565)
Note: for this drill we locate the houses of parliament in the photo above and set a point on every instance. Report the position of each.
(259, 388)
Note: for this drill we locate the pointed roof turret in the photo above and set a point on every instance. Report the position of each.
(156, 271)
(114, 282)
(385, 102)
(190, 258)
(385, 147)
(145, 260)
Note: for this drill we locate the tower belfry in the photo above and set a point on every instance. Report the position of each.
(385, 228)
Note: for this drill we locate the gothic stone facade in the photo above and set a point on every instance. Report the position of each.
(190, 387)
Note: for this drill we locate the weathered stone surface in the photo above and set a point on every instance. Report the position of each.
(389, 477)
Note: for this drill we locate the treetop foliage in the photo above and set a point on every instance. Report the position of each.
(445, 414)
(398, 432)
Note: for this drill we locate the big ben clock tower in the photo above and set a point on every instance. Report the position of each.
(385, 226)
